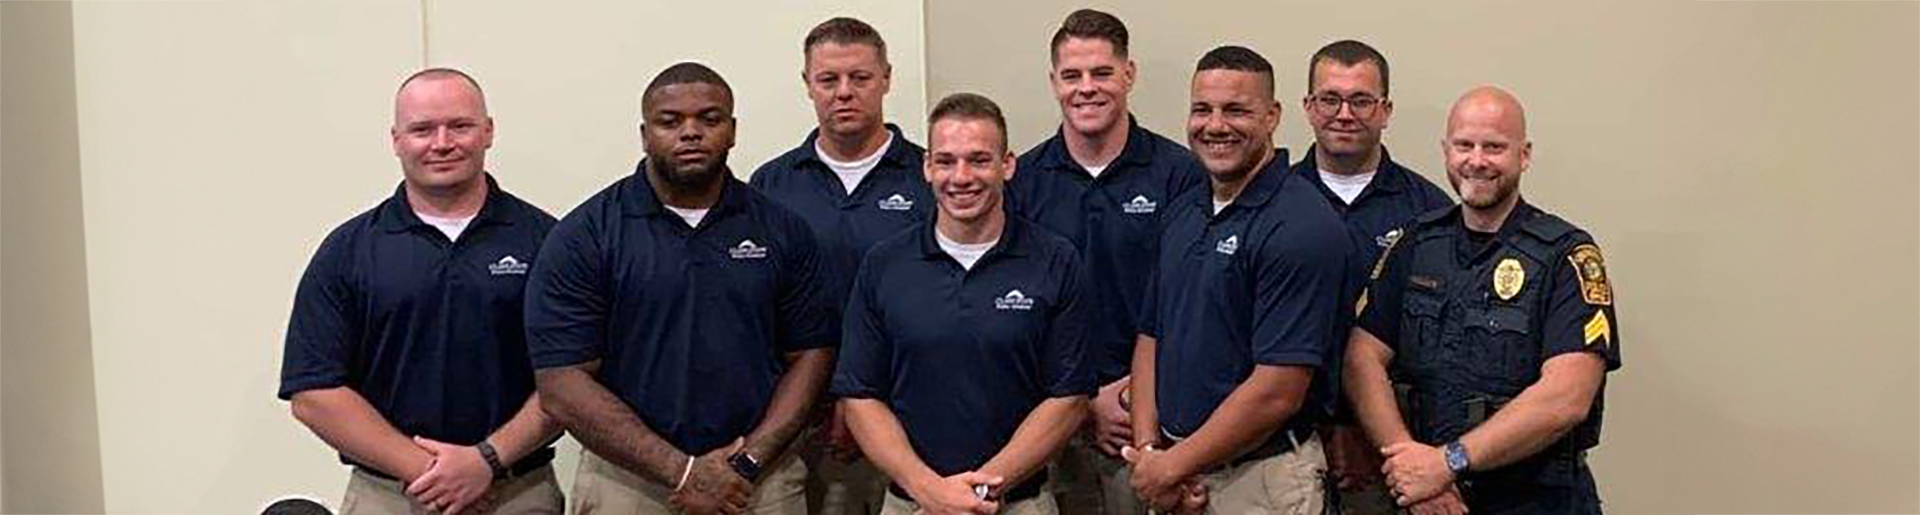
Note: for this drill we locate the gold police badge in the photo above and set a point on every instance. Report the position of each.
(1508, 277)
(1593, 275)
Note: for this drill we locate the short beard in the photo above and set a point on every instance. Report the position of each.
(687, 181)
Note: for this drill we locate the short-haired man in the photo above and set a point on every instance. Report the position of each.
(1348, 107)
(961, 367)
(405, 351)
(677, 319)
(1230, 377)
(1490, 328)
(1102, 181)
(856, 180)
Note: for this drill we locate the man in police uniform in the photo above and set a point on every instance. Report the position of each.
(1496, 321)
(1101, 181)
(1230, 376)
(405, 351)
(856, 180)
(678, 322)
(961, 369)
(1348, 108)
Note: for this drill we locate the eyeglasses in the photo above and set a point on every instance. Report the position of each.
(1329, 105)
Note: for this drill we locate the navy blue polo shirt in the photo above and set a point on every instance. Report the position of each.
(891, 198)
(691, 324)
(1389, 203)
(1114, 221)
(426, 329)
(963, 356)
(1257, 284)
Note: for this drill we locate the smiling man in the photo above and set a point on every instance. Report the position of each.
(856, 180)
(1230, 376)
(962, 370)
(1348, 108)
(1103, 181)
(678, 320)
(1495, 322)
(405, 351)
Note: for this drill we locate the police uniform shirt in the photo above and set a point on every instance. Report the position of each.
(426, 329)
(963, 356)
(691, 324)
(1114, 220)
(891, 198)
(1256, 284)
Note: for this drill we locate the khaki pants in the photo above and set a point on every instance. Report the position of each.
(835, 487)
(601, 487)
(1037, 505)
(536, 492)
(1291, 483)
(1089, 482)
(1370, 499)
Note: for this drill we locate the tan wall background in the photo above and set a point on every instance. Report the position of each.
(1750, 168)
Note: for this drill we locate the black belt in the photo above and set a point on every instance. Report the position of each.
(527, 465)
(1021, 492)
(1281, 442)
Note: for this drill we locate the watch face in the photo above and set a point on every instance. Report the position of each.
(1456, 458)
(743, 464)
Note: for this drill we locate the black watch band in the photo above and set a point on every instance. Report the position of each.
(745, 465)
(492, 457)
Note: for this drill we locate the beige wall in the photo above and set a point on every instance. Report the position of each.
(51, 436)
(1750, 168)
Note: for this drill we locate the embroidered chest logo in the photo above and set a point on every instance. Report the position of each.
(747, 249)
(897, 202)
(1013, 301)
(1228, 246)
(508, 266)
(1140, 205)
(1508, 278)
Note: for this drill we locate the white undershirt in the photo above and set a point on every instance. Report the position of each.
(965, 253)
(692, 216)
(452, 227)
(1095, 170)
(1220, 205)
(1347, 187)
(852, 172)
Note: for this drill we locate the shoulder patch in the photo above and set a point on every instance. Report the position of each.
(1598, 330)
(1592, 270)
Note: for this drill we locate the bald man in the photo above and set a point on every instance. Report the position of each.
(1491, 327)
(405, 351)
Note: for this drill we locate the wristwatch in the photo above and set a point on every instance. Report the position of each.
(1457, 458)
(492, 457)
(745, 465)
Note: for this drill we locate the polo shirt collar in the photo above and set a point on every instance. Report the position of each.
(640, 200)
(1388, 178)
(1011, 236)
(1137, 152)
(398, 216)
(898, 155)
(1262, 187)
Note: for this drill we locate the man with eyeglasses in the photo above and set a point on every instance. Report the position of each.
(1348, 108)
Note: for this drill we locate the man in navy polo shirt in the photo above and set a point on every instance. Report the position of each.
(678, 323)
(1348, 108)
(856, 180)
(405, 351)
(1102, 181)
(1230, 374)
(962, 368)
